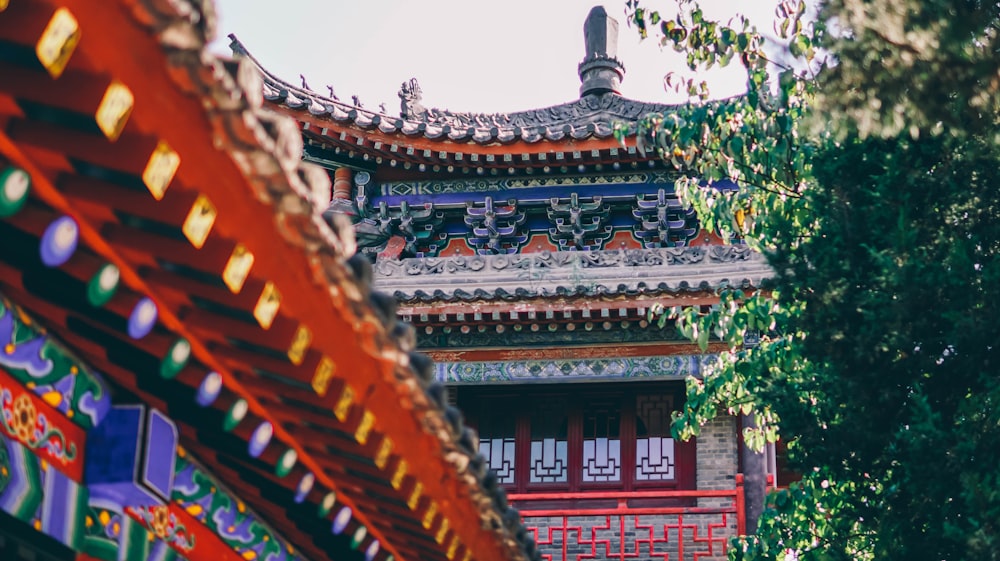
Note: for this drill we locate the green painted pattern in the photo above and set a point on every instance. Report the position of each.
(41, 364)
(200, 495)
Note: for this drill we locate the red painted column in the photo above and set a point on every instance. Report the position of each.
(342, 183)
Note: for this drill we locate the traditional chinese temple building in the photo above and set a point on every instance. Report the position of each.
(194, 363)
(527, 249)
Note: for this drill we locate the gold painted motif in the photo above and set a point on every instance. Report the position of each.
(115, 108)
(160, 169)
(442, 532)
(384, 450)
(237, 268)
(343, 406)
(430, 514)
(323, 375)
(267, 305)
(199, 221)
(300, 344)
(364, 427)
(397, 478)
(58, 41)
(414, 499)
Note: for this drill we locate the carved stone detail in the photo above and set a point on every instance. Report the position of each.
(565, 273)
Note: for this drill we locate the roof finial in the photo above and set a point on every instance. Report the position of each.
(600, 71)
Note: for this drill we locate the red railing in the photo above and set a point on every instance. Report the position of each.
(665, 525)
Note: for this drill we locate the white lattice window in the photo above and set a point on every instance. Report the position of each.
(654, 449)
(549, 461)
(602, 447)
(501, 454)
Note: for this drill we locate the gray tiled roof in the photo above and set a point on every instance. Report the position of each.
(553, 274)
(591, 116)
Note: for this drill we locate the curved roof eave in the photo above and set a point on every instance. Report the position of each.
(590, 117)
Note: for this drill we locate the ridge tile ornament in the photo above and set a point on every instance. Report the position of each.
(592, 115)
(600, 71)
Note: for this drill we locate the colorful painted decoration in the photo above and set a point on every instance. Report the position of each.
(371, 551)
(59, 241)
(286, 462)
(102, 285)
(304, 487)
(58, 41)
(142, 319)
(199, 221)
(341, 520)
(260, 438)
(104, 526)
(327, 504)
(267, 305)
(237, 412)
(35, 360)
(160, 169)
(131, 455)
(237, 268)
(164, 525)
(359, 536)
(176, 359)
(201, 498)
(15, 184)
(26, 418)
(114, 110)
(45, 498)
(209, 389)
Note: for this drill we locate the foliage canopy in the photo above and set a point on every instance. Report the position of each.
(867, 157)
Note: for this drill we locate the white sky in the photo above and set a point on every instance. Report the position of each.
(468, 55)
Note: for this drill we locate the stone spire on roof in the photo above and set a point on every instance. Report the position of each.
(600, 71)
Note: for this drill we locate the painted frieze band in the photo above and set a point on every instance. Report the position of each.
(42, 365)
(571, 370)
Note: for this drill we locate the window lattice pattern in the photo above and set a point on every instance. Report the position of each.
(549, 461)
(602, 460)
(500, 453)
(654, 459)
(602, 451)
(654, 449)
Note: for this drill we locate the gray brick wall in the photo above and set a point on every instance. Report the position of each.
(717, 455)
